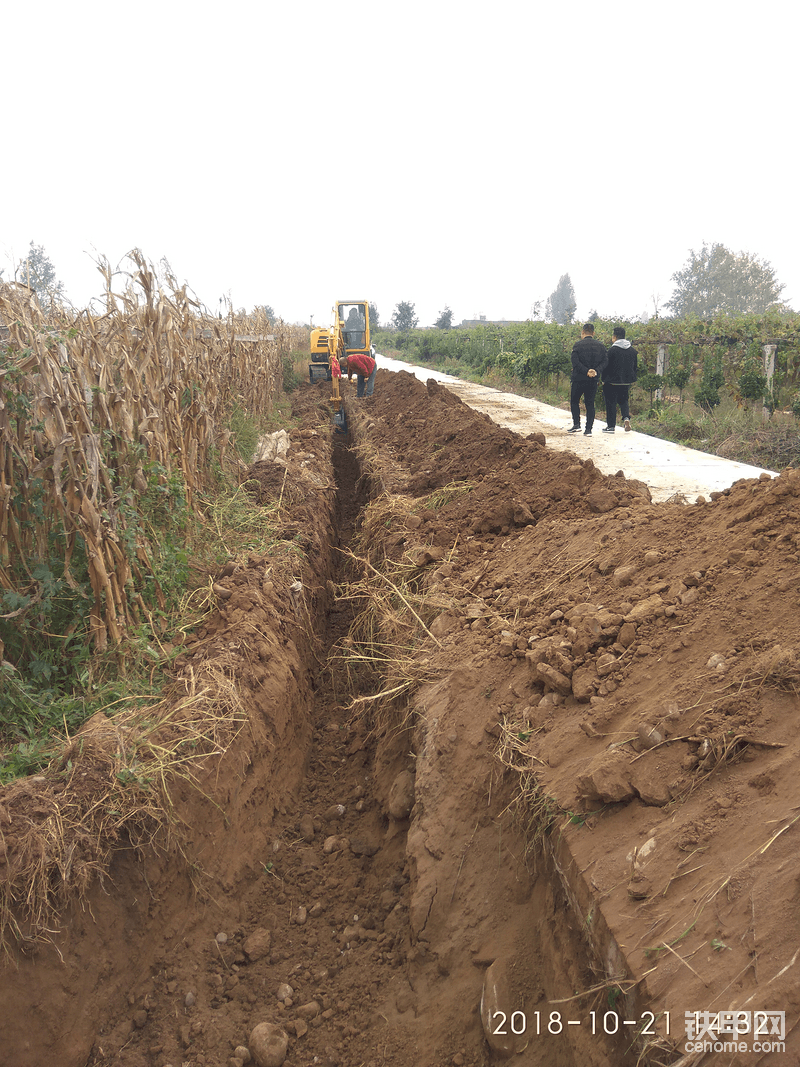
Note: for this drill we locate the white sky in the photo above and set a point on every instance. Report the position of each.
(441, 152)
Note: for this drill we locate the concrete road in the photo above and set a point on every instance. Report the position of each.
(667, 468)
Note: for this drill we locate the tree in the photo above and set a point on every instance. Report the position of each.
(716, 281)
(373, 318)
(445, 320)
(561, 306)
(679, 370)
(651, 383)
(404, 316)
(266, 309)
(38, 272)
(752, 381)
(706, 394)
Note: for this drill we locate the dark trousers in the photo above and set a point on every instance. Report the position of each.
(588, 390)
(364, 386)
(616, 395)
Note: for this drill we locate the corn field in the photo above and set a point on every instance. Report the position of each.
(90, 406)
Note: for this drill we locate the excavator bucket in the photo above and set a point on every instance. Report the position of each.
(339, 414)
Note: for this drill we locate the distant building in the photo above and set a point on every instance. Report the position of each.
(483, 321)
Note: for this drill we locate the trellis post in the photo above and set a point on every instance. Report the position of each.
(769, 372)
(662, 365)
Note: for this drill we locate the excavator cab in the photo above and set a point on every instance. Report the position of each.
(355, 320)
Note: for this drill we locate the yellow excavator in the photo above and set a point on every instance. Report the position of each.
(348, 334)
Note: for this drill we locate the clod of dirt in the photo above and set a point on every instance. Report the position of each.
(335, 843)
(268, 1045)
(648, 736)
(307, 828)
(363, 844)
(258, 944)
(606, 780)
(309, 1010)
(401, 796)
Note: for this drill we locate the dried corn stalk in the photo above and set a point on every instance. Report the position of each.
(86, 402)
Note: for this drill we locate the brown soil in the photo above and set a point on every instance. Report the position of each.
(594, 789)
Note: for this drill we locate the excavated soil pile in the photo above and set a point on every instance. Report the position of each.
(641, 666)
(585, 812)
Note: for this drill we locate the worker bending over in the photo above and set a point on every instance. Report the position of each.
(364, 368)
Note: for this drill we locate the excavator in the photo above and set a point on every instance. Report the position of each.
(348, 334)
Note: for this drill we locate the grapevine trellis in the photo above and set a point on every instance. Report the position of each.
(743, 346)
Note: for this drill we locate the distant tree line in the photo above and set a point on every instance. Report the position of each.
(714, 281)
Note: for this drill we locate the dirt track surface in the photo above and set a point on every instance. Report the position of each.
(667, 468)
(587, 802)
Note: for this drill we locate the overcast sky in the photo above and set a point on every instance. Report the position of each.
(444, 153)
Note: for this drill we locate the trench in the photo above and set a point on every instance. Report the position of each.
(522, 924)
(362, 924)
(400, 969)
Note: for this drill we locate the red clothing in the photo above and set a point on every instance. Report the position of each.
(361, 364)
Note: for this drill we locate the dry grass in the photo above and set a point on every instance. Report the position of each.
(381, 652)
(534, 811)
(773, 447)
(384, 651)
(776, 667)
(111, 786)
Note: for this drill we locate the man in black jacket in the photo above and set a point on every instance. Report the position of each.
(589, 358)
(618, 377)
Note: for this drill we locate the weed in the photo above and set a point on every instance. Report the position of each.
(26, 757)
(245, 431)
(292, 375)
(656, 950)
(735, 433)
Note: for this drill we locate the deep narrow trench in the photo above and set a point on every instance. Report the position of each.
(331, 907)
(376, 964)
(542, 952)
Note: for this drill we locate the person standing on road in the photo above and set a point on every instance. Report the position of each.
(589, 358)
(621, 372)
(365, 368)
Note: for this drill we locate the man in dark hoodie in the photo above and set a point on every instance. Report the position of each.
(618, 377)
(589, 358)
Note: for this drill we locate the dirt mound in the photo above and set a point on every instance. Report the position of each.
(588, 806)
(498, 480)
(638, 664)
